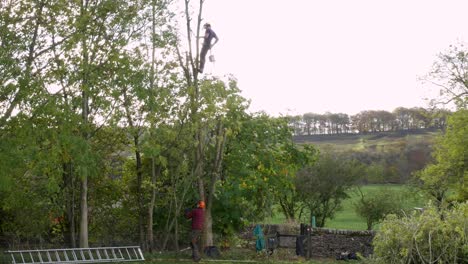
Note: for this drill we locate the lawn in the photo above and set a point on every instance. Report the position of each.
(347, 217)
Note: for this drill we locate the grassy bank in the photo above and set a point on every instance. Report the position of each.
(371, 141)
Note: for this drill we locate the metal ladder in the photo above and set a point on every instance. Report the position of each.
(76, 255)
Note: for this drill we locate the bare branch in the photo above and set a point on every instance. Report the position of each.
(447, 89)
(189, 37)
(181, 62)
(53, 46)
(198, 31)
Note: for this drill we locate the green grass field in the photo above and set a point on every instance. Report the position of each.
(347, 218)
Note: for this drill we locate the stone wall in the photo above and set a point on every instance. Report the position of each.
(330, 243)
(326, 243)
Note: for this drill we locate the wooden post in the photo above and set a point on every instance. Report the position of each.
(309, 242)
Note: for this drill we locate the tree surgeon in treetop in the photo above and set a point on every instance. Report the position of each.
(209, 35)
(198, 217)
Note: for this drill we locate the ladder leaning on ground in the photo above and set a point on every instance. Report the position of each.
(76, 255)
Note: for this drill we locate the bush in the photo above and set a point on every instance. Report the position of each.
(429, 237)
(375, 206)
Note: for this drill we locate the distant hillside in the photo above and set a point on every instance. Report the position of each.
(391, 157)
(363, 141)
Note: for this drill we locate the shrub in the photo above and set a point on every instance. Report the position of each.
(375, 206)
(429, 237)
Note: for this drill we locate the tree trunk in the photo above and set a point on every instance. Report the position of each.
(215, 175)
(199, 172)
(208, 234)
(177, 208)
(139, 173)
(84, 177)
(84, 128)
(69, 193)
(168, 227)
(135, 130)
(288, 209)
(154, 175)
(199, 157)
(84, 213)
(176, 223)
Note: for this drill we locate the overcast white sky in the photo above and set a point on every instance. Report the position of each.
(298, 56)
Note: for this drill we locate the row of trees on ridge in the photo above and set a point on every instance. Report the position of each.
(368, 121)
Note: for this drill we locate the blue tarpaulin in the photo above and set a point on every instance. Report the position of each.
(258, 233)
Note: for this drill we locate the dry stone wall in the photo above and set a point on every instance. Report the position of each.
(326, 243)
(331, 243)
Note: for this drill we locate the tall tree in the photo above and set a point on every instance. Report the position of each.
(261, 164)
(202, 128)
(31, 32)
(309, 120)
(100, 32)
(222, 107)
(162, 102)
(250, 168)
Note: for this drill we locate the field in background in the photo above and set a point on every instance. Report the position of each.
(347, 218)
(413, 145)
(380, 141)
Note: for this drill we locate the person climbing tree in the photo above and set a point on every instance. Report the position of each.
(209, 35)
(198, 216)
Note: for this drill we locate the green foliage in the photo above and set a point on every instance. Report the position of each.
(260, 160)
(374, 207)
(375, 173)
(433, 236)
(323, 186)
(450, 169)
(291, 161)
